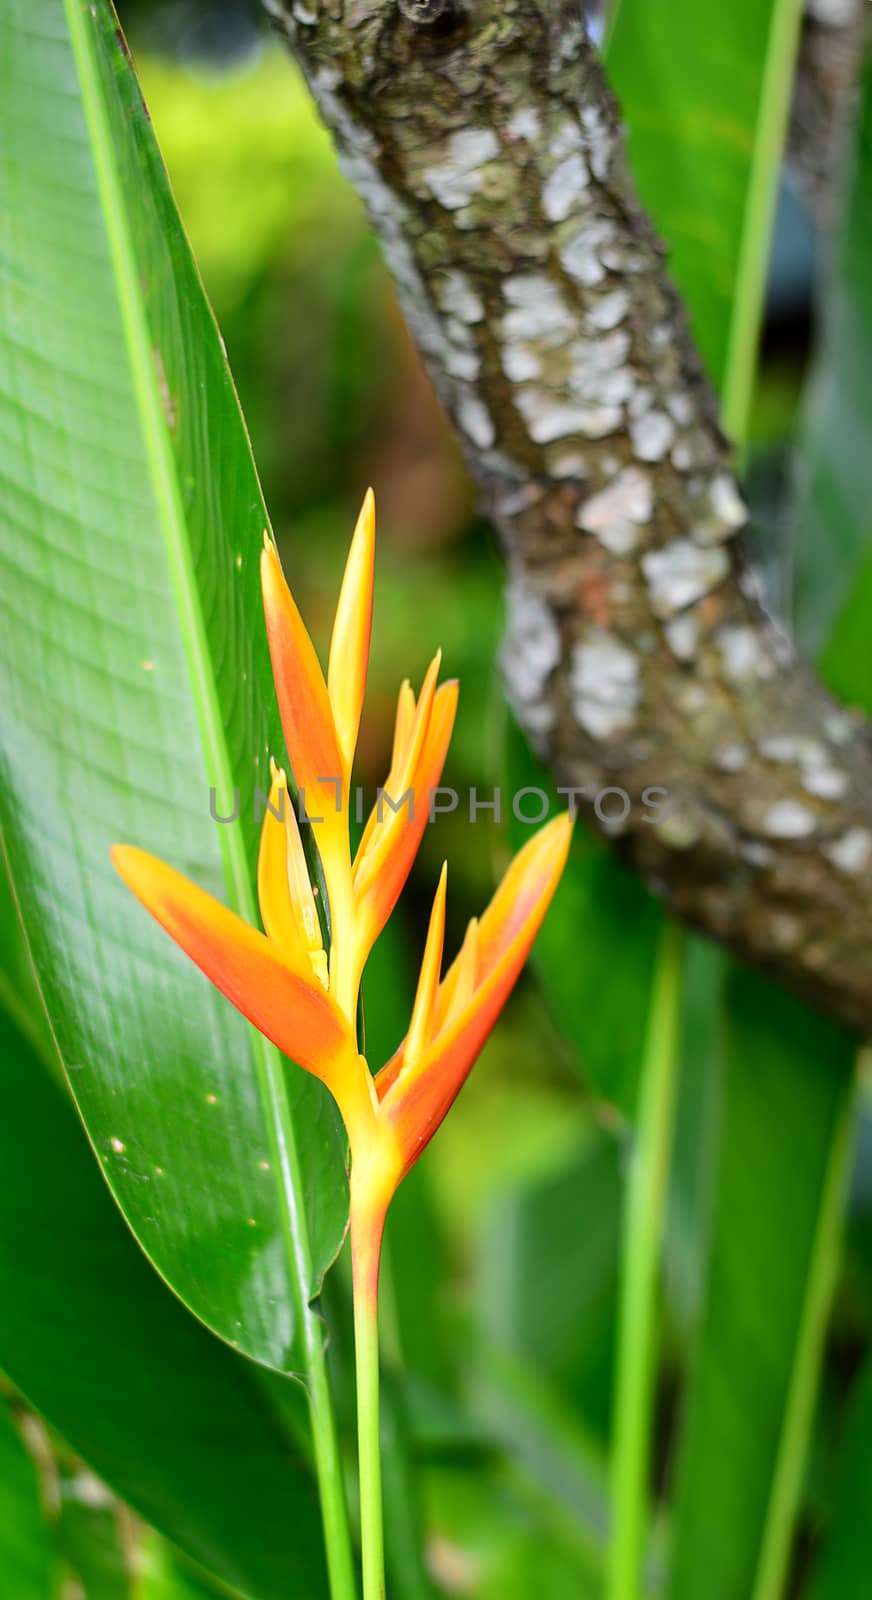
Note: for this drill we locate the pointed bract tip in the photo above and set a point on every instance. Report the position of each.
(559, 832)
(122, 856)
(135, 867)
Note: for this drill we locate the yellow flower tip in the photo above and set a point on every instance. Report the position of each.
(268, 541)
(123, 858)
(349, 644)
(402, 724)
(304, 706)
(556, 837)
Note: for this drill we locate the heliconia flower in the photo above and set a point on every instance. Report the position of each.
(304, 997)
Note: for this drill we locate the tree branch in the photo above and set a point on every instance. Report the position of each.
(488, 150)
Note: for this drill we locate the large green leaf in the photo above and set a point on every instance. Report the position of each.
(705, 91)
(785, 1139)
(133, 677)
(833, 573)
(19, 993)
(177, 1424)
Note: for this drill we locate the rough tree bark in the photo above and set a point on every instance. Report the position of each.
(488, 150)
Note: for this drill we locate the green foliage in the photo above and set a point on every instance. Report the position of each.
(153, 679)
(706, 94)
(780, 1188)
(167, 1415)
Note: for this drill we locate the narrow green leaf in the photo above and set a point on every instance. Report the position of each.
(133, 678)
(706, 93)
(788, 1096)
(172, 1420)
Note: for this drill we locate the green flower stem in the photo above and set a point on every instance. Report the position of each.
(331, 1487)
(643, 1229)
(367, 1225)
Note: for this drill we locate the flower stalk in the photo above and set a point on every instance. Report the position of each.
(367, 1228)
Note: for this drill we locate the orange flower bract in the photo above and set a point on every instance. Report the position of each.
(304, 997)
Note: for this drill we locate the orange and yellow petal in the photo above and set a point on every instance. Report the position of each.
(284, 1002)
(304, 705)
(416, 1095)
(349, 644)
(273, 889)
(394, 841)
(406, 707)
(410, 734)
(460, 980)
